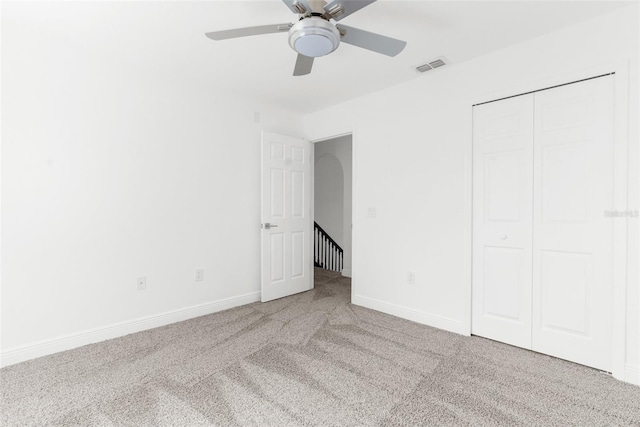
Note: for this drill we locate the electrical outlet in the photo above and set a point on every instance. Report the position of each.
(200, 275)
(411, 278)
(142, 283)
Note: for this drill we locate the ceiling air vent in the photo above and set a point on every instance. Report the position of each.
(436, 63)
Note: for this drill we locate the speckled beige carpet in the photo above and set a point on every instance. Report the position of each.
(311, 359)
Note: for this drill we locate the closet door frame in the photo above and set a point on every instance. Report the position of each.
(620, 69)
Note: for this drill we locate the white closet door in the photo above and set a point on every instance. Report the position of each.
(502, 220)
(572, 240)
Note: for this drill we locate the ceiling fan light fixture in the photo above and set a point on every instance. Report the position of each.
(314, 37)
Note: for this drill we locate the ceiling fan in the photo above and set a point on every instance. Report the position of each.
(316, 35)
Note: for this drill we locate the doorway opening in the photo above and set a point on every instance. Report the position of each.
(333, 160)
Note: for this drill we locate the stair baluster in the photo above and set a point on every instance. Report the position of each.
(327, 253)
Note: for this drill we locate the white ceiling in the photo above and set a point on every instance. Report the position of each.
(170, 36)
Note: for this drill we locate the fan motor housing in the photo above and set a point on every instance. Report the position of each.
(313, 37)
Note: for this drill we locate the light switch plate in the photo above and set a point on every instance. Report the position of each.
(372, 212)
(411, 278)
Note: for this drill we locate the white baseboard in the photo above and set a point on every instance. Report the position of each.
(346, 272)
(632, 374)
(428, 319)
(68, 342)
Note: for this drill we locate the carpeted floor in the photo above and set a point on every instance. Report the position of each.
(311, 359)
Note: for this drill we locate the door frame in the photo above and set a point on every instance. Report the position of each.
(328, 137)
(620, 368)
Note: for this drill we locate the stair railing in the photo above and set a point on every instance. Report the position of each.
(327, 253)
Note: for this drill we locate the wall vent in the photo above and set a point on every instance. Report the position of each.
(435, 63)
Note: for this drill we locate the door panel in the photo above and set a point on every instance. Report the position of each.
(573, 240)
(297, 194)
(277, 193)
(502, 268)
(502, 220)
(503, 199)
(565, 283)
(564, 182)
(298, 251)
(276, 247)
(286, 188)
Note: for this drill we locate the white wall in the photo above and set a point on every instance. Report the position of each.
(412, 151)
(332, 192)
(113, 170)
(329, 196)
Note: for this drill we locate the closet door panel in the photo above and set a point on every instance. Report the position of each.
(572, 237)
(502, 220)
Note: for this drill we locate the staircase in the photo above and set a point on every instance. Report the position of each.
(327, 253)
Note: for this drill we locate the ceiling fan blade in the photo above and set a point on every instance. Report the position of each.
(339, 9)
(303, 65)
(298, 6)
(248, 31)
(371, 41)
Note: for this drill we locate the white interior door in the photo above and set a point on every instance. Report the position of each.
(573, 239)
(286, 218)
(502, 220)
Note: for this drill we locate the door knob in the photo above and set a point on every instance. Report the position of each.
(268, 225)
(503, 237)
